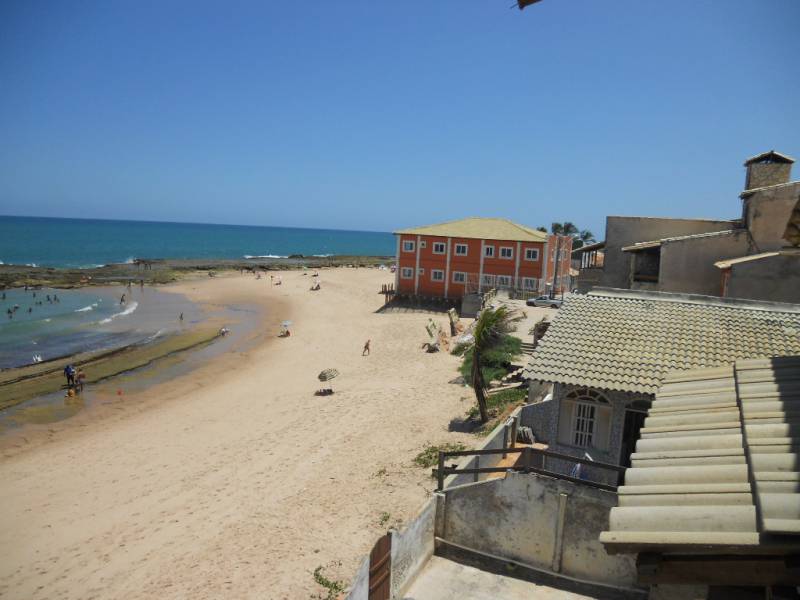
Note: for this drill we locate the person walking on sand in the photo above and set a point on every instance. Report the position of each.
(365, 351)
(181, 318)
(80, 380)
(69, 373)
(122, 300)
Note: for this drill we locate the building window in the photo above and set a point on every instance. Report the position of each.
(420, 271)
(461, 249)
(585, 419)
(583, 424)
(531, 254)
(459, 277)
(423, 244)
(530, 283)
(488, 251)
(504, 281)
(408, 246)
(438, 248)
(506, 252)
(437, 275)
(488, 280)
(406, 273)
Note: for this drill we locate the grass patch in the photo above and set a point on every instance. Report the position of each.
(499, 402)
(429, 457)
(333, 586)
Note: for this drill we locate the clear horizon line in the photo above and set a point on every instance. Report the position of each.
(194, 223)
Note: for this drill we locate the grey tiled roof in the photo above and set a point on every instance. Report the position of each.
(714, 441)
(628, 341)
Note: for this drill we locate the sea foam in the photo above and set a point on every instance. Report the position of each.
(128, 310)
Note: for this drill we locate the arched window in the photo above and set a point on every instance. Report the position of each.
(585, 419)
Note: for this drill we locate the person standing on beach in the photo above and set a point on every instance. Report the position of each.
(181, 318)
(80, 380)
(69, 373)
(122, 300)
(365, 351)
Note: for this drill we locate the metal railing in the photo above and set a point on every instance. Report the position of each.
(526, 465)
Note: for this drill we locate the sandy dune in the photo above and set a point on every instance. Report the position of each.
(236, 481)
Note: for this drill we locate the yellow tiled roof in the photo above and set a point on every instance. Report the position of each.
(626, 340)
(480, 228)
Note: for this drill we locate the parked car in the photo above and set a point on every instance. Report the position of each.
(545, 301)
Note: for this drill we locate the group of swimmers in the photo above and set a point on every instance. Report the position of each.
(13, 309)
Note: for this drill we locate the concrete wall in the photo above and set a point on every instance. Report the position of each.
(359, 588)
(548, 524)
(688, 265)
(767, 213)
(776, 278)
(412, 547)
(624, 231)
(493, 440)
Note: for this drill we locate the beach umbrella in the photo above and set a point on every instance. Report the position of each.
(327, 374)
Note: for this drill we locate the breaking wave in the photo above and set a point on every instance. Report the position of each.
(249, 256)
(128, 310)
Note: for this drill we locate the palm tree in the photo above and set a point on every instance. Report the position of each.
(556, 228)
(568, 228)
(583, 238)
(490, 348)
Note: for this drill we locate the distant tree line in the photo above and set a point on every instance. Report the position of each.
(580, 237)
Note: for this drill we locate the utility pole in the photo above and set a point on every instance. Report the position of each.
(555, 269)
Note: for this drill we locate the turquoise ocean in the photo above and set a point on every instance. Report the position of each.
(86, 243)
(48, 324)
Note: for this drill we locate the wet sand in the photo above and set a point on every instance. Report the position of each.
(234, 480)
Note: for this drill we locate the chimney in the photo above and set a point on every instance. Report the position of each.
(769, 168)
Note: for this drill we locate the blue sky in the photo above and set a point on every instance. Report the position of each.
(380, 115)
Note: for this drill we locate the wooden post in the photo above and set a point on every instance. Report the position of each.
(527, 459)
(505, 439)
(477, 466)
(440, 472)
(514, 424)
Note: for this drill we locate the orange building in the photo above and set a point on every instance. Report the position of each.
(452, 259)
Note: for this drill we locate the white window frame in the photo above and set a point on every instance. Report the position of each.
(504, 281)
(465, 247)
(584, 421)
(459, 277)
(423, 244)
(489, 279)
(488, 251)
(534, 251)
(420, 271)
(441, 245)
(437, 275)
(510, 252)
(409, 245)
(530, 284)
(406, 273)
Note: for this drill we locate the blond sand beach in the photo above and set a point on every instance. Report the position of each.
(235, 481)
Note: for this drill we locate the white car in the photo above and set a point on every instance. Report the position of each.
(544, 301)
